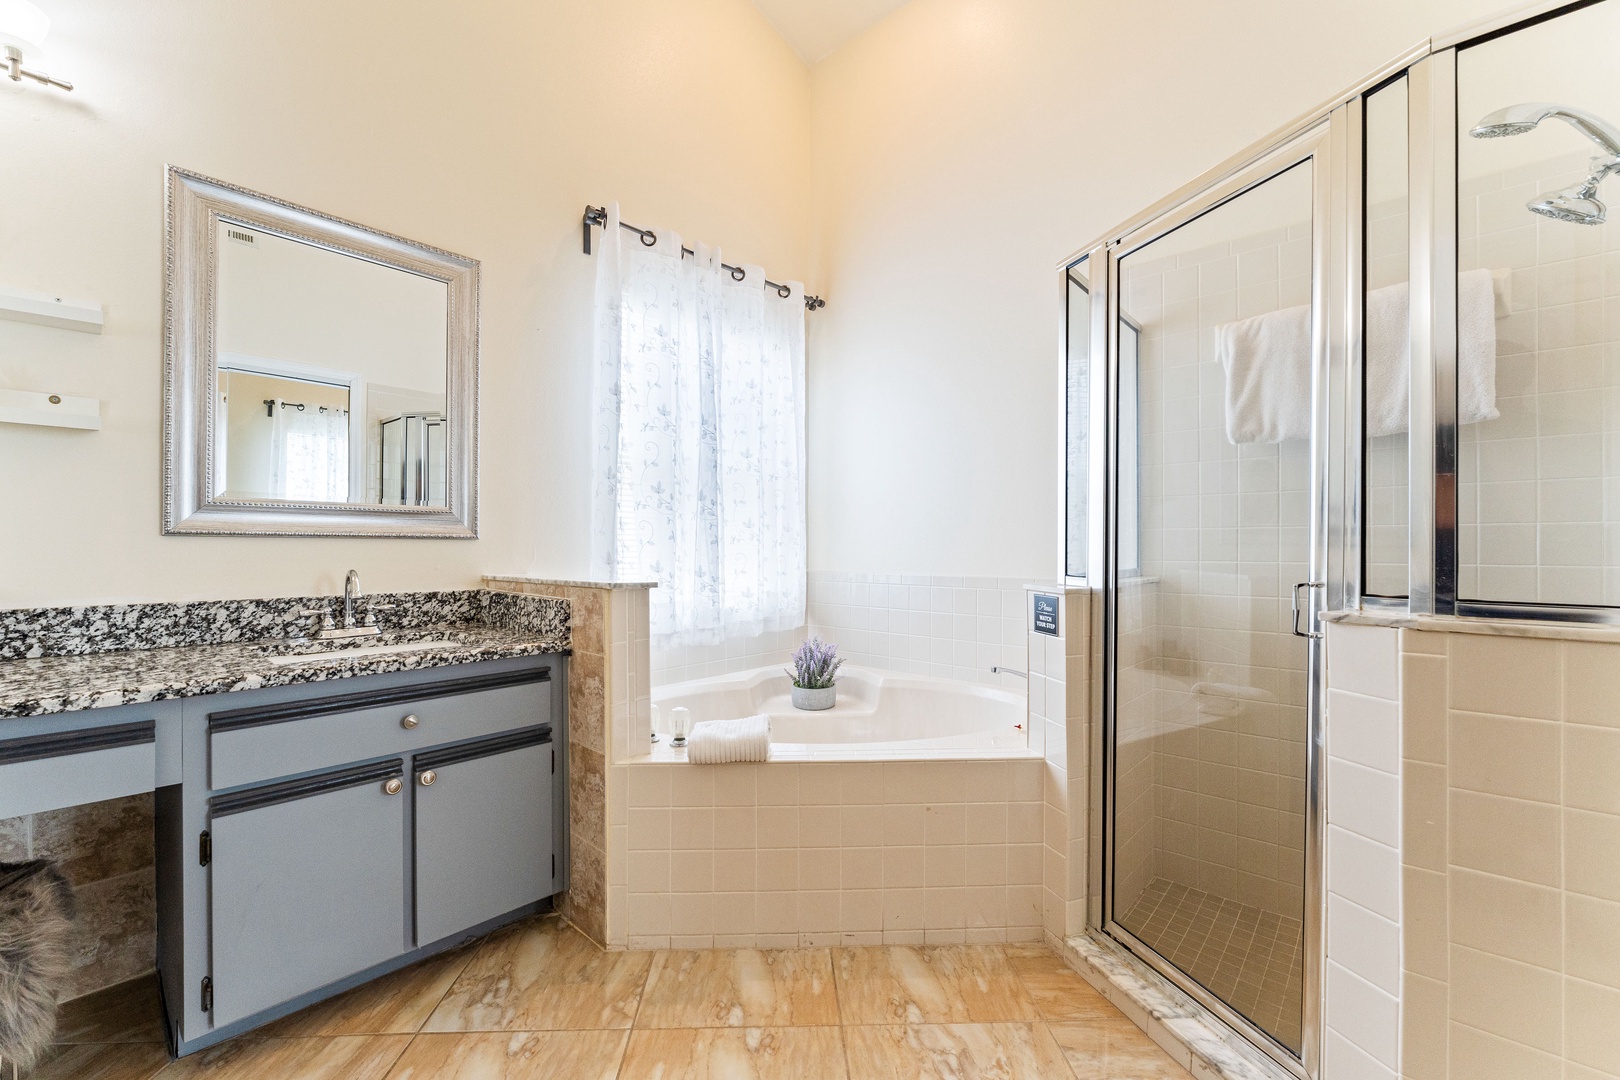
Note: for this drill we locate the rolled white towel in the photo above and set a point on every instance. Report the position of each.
(715, 741)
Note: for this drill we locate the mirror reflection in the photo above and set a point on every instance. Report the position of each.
(331, 375)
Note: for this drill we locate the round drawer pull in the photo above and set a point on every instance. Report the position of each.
(394, 786)
(409, 722)
(428, 777)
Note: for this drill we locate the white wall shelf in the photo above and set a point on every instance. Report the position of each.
(47, 310)
(49, 410)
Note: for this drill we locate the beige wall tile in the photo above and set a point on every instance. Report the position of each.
(1423, 812)
(1507, 917)
(1423, 707)
(1425, 925)
(1419, 641)
(1506, 676)
(1592, 683)
(1511, 837)
(1590, 1015)
(1592, 768)
(1592, 853)
(1478, 1055)
(1510, 999)
(1592, 938)
(1423, 1028)
(1504, 755)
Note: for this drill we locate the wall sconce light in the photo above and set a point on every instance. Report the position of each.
(22, 25)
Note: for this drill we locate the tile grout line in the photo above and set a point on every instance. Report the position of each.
(472, 954)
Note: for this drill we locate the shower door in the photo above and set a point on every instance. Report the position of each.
(1219, 359)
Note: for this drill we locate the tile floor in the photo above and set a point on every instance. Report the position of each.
(1248, 957)
(538, 1001)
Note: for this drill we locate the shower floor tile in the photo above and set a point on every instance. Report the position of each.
(1247, 957)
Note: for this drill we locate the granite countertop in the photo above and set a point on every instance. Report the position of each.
(59, 684)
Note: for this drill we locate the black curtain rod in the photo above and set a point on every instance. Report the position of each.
(597, 215)
(270, 406)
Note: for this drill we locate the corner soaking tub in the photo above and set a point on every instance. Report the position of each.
(880, 716)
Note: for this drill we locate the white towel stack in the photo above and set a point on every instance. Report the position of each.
(1268, 365)
(713, 742)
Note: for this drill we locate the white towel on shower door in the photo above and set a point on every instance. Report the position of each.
(1268, 375)
(1389, 354)
(1267, 360)
(714, 742)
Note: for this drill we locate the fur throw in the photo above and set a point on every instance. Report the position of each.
(36, 917)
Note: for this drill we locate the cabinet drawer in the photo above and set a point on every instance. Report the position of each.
(484, 839)
(307, 885)
(257, 743)
(66, 768)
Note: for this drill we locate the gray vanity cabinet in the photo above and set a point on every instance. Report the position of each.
(483, 830)
(306, 885)
(324, 834)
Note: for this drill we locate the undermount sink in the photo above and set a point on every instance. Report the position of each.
(315, 653)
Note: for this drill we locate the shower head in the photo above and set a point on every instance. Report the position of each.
(1576, 205)
(1518, 119)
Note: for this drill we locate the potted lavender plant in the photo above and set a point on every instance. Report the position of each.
(815, 670)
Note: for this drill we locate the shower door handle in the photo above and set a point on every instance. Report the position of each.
(1305, 585)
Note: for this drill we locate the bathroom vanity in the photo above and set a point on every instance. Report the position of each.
(323, 815)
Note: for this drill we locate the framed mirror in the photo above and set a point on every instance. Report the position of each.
(320, 377)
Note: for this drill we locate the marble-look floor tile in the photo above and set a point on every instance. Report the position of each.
(942, 984)
(394, 1004)
(954, 1052)
(517, 1055)
(1114, 1050)
(99, 1061)
(739, 988)
(783, 1053)
(543, 975)
(1057, 990)
(349, 1057)
(130, 1012)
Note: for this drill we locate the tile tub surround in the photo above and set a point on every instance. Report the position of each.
(539, 1001)
(609, 707)
(105, 849)
(1060, 730)
(825, 853)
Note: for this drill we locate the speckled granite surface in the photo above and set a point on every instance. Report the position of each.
(65, 659)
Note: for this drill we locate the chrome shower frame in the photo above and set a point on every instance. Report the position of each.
(1333, 136)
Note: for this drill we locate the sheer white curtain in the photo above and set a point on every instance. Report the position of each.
(699, 439)
(309, 453)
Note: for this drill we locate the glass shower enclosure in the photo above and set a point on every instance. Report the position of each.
(1368, 364)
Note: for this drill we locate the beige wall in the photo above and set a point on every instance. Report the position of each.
(481, 127)
(962, 148)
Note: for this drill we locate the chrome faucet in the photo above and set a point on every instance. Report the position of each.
(352, 626)
(351, 593)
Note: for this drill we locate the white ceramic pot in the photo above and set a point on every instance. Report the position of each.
(814, 700)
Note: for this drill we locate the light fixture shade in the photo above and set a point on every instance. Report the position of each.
(23, 24)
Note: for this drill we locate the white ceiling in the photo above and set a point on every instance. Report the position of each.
(816, 27)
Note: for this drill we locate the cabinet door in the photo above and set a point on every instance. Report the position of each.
(484, 839)
(308, 885)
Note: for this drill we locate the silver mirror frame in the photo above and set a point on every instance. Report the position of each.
(194, 206)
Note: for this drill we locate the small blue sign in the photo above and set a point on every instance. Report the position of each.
(1046, 614)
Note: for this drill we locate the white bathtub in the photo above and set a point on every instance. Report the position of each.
(880, 716)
